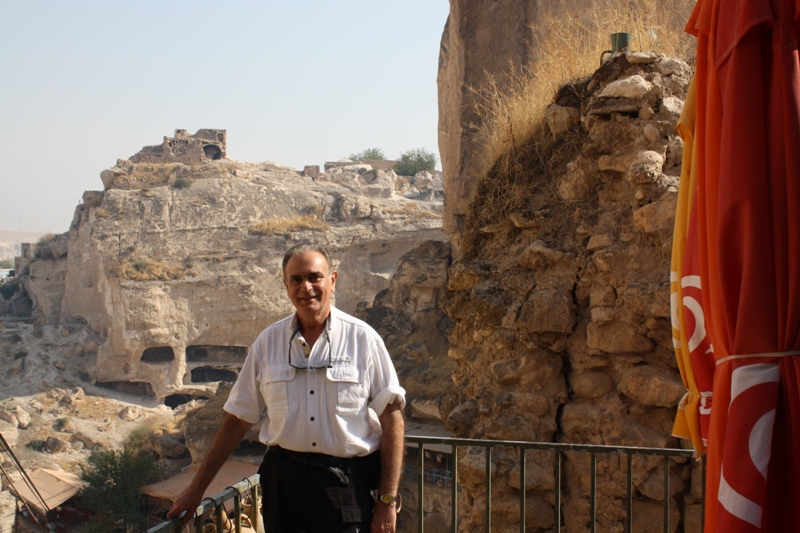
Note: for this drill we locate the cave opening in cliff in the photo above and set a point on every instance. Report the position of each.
(212, 151)
(176, 400)
(205, 352)
(158, 354)
(205, 374)
(137, 388)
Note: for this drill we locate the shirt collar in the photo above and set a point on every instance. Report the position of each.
(328, 323)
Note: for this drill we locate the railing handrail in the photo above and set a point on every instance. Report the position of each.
(252, 483)
(551, 446)
(211, 503)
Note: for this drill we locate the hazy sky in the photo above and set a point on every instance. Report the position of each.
(83, 83)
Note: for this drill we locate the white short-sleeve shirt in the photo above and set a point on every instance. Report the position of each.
(323, 410)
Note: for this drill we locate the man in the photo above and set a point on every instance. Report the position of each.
(334, 422)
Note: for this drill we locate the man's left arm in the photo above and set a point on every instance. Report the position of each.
(384, 518)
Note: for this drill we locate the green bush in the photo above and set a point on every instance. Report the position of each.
(8, 289)
(139, 438)
(370, 154)
(182, 183)
(6, 263)
(114, 493)
(37, 445)
(412, 161)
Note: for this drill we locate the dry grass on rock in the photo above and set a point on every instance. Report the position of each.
(274, 226)
(149, 270)
(411, 209)
(567, 49)
(520, 156)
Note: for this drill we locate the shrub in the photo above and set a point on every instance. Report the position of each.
(42, 248)
(412, 161)
(115, 480)
(37, 445)
(6, 263)
(285, 225)
(370, 154)
(182, 183)
(139, 438)
(8, 289)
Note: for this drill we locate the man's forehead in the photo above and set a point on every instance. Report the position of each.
(307, 263)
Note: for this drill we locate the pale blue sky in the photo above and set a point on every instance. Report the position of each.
(83, 83)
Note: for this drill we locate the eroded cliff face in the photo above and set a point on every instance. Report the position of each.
(561, 303)
(178, 266)
(485, 46)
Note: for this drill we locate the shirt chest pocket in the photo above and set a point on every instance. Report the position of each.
(279, 390)
(347, 393)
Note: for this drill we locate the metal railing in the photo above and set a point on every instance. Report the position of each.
(558, 449)
(251, 487)
(247, 488)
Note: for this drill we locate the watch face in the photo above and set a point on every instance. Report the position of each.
(387, 498)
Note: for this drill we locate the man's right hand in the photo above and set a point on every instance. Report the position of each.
(188, 501)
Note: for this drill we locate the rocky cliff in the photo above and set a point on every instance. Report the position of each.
(485, 47)
(176, 264)
(561, 301)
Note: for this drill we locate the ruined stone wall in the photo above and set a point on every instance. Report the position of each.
(561, 309)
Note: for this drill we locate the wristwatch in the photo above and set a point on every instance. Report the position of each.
(388, 498)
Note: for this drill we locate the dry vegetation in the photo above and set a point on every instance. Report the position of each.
(520, 155)
(148, 270)
(274, 226)
(567, 49)
(42, 248)
(410, 209)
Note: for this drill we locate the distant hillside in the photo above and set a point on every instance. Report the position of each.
(10, 241)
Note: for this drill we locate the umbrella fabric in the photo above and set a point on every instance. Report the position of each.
(692, 345)
(747, 204)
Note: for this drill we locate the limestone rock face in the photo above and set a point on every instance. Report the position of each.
(476, 42)
(561, 312)
(408, 316)
(177, 263)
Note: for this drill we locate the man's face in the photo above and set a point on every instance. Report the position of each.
(310, 286)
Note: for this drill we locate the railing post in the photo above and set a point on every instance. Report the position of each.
(522, 484)
(703, 495)
(488, 489)
(255, 514)
(594, 493)
(666, 494)
(455, 488)
(629, 502)
(558, 491)
(421, 491)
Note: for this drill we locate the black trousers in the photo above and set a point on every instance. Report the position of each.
(317, 493)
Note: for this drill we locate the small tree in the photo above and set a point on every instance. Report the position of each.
(370, 154)
(412, 161)
(6, 263)
(115, 481)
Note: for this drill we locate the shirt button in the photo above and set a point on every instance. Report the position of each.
(312, 418)
(312, 392)
(313, 443)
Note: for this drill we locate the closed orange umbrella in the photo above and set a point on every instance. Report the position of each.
(746, 200)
